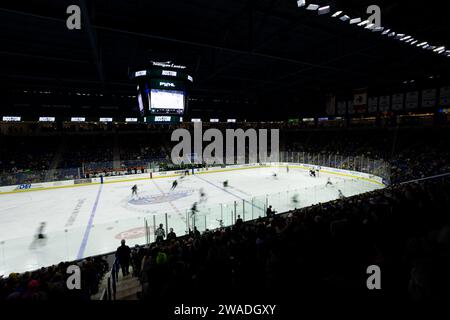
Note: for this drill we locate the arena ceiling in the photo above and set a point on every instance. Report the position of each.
(239, 51)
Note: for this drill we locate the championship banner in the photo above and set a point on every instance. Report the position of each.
(444, 96)
(385, 103)
(350, 107)
(359, 100)
(331, 105)
(429, 98)
(412, 100)
(372, 104)
(342, 107)
(397, 101)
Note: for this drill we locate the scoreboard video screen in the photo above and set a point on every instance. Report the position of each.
(162, 90)
(166, 101)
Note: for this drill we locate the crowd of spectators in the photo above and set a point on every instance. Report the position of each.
(51, 283)
(412, 152)
(314, 253)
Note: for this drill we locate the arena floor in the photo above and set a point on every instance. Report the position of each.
(90, 220)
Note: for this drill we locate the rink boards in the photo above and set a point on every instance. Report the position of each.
(171, 174)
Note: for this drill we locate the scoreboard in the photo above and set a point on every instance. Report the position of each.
(162, 91)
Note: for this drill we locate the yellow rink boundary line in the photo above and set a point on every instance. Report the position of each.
(177, 175)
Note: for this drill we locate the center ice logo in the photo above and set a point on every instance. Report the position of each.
(154, 199)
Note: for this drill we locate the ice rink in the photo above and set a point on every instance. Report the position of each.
(89, 220)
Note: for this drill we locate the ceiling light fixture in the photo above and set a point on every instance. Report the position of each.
(355, 20)
(324, 10)
(312, 7)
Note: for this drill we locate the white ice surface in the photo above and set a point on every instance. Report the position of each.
(90, 220)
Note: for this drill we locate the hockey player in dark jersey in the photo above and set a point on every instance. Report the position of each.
(134, 190)
(202, 195)
(174, 185)
(40, 233)
(40, 238)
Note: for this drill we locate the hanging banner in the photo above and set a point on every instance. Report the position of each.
(385, 103)
(372, 104)
(397, 101)
(444, 96)
(342, 107)
(412, 100)
(360, 100)
(429, 98)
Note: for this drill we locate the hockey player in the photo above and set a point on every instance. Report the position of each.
(274, 175)
(341, 195)
(295, 199)
(329, 183)
(134, 190)
(202, 195)
(40, 233)
(40, 237)
(225, 183)
(287, 169)
(174, 185)
(312, 173)
(317, 171)
(194, 209)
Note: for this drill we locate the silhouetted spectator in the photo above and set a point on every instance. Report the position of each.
(160, 233)
(171, 235)
(123, 255)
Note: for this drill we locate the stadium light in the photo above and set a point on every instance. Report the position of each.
(414, 42)
(409, 40)
(392, 34)
(405, 38)
(323, 10)
(355, 20)
(399, 35)
(370, 26)
(377, 29)
(338, 13)
(362, 24)
(439, 49)
(422, 44)
(386, 31)
(312, 7)
(345, 18)
(301, 3)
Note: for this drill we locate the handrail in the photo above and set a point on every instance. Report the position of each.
(426, 178)
(109, 293)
